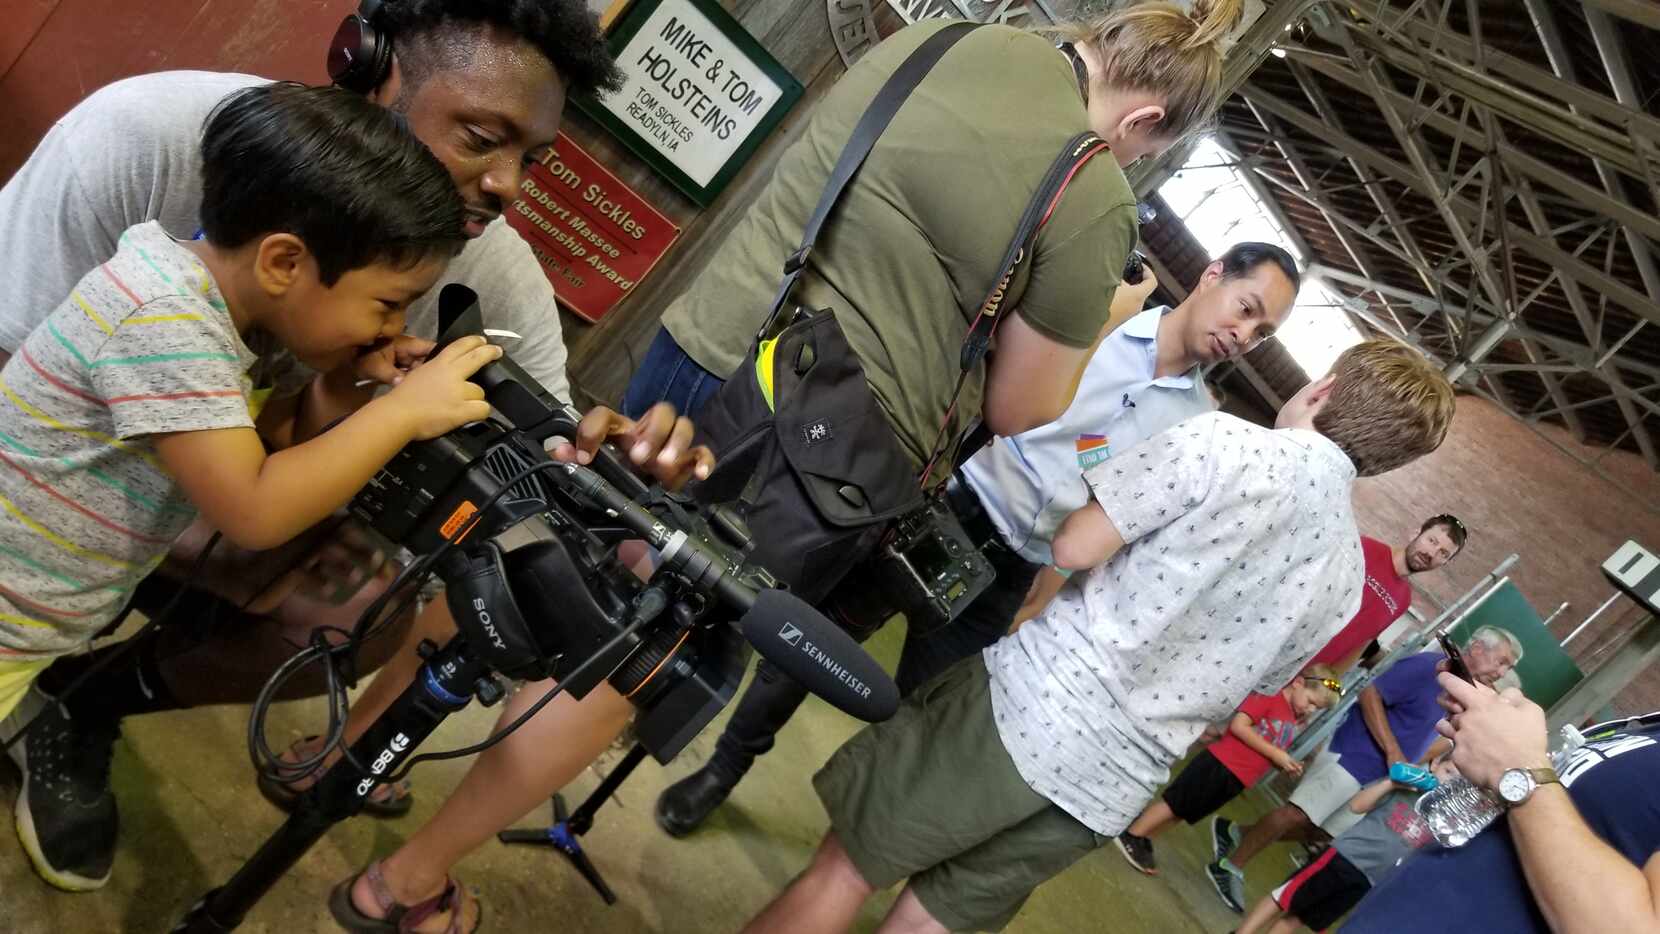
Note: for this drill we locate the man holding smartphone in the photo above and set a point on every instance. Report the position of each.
(1575, 851)
(1394, 721)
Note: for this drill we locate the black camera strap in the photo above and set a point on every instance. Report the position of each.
(1079, 150)
(881, 111)
(872, 122)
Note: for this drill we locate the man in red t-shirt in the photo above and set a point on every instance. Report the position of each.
(1388, 593)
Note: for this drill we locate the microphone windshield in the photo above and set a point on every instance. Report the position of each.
(819, 655)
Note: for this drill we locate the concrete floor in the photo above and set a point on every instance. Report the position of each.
(190, 815)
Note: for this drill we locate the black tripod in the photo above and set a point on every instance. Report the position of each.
(562, 834)
(445, 684)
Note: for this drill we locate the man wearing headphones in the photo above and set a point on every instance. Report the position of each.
(483, 84)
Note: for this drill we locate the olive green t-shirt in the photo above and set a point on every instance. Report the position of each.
(915, 242)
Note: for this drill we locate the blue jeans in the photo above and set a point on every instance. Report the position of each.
(668, 374)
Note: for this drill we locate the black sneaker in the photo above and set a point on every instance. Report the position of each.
(1139, 851)
(1224, 836)
(66, 816)
(1229, 884)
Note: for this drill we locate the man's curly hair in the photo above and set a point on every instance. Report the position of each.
(438, 35)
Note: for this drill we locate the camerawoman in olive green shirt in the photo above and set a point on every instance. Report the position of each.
(918, 236)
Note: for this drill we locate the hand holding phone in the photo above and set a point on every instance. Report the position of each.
(1455, 660)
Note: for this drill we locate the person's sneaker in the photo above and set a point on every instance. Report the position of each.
(1230, 885)
(1139, 852)
(66, 815)
(1224, 836)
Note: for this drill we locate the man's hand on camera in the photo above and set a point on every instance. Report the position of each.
(660, 444)
(388, 361)
(1491, 732)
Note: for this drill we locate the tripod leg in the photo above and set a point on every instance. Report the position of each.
(582, 818)
(532, 837)
(580, 860)
(444, 686)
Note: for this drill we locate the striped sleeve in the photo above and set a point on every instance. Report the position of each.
(171, 364)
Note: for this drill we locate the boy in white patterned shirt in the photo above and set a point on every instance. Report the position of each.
(1224, 555)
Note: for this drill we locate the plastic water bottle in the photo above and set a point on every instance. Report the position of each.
(1456, 810)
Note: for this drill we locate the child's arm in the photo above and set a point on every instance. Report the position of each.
(1087, 539)
(1241, 728)
(336, 394)
(260, 501)
(1371, 796)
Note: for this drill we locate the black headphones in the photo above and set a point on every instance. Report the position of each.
(360, 55)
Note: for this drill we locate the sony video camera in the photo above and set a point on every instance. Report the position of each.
(526, 548)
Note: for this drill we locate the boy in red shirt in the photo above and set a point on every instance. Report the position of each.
(1257, 738)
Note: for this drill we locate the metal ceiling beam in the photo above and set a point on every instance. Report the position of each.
(1268, 202)
(1528, 368)
(1641, 12)
(1570, 350)
(1386, 207)
(1530, 76)
(1570, 267)
(1417, 153)
(1550, 118)
(1612, 53)
(1330, 209)
(1304, 177)
(1614, 206)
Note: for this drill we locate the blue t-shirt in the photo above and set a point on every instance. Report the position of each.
(1480, 886)
(1409, 691)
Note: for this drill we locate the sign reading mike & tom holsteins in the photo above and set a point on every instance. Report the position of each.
(699, 93)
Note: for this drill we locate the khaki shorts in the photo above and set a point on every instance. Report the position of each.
(1324, 794)
(931, 795)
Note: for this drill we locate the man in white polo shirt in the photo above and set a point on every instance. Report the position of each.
(1145, 377)
(1011, 497)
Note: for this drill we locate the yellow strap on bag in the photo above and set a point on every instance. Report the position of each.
(763, 370)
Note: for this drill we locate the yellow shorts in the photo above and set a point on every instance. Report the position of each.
(15, 677)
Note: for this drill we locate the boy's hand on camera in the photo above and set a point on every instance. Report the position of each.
(437, 396)
(660, 444)
(389, 361)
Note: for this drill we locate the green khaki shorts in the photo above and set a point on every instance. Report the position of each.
(931, 795)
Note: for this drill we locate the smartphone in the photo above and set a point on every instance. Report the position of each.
(1455, 659)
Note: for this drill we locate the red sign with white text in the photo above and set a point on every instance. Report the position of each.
(595, 237)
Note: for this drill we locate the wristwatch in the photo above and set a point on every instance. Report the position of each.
(1518, 785)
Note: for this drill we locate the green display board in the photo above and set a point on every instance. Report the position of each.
(1546, 671)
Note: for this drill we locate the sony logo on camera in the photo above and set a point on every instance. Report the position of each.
(489, 626)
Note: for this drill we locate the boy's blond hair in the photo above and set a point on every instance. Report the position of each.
(1389, 407)
(1314, 678)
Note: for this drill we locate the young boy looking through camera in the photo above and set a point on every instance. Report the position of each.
(132, 407)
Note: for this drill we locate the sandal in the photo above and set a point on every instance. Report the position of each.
(387, 800)
(397, 918)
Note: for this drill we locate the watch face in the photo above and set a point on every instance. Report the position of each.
(1515, 785)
